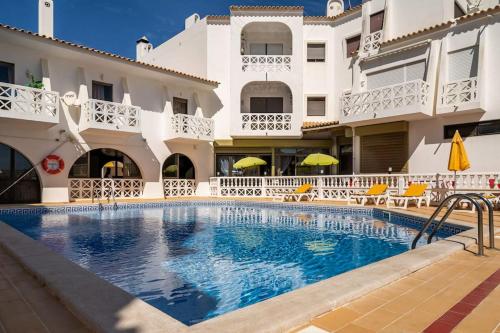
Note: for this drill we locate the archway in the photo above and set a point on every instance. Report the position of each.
(266, 38)
(13, 164)
(105, 163)
(178, 166)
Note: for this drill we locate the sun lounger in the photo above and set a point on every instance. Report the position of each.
(376, 193)
(416, 192)
(301, 193)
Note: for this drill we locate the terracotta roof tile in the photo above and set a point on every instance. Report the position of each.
(443, 25)
(272, 8)
(114, 56)
(318, 124)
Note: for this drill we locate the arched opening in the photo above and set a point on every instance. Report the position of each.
(266, 38)
(13, 165)
(178, 166)
(266, 97)
(105, 163)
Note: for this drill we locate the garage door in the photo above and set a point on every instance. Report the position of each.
(381, 151)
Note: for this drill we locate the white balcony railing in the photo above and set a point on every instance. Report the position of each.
(92, 188)
(179, 187)
(460, 92)
(266, 63)
(342, 187)
(97, 114)
(412, 93)
(372, 41)
(257, 123)
(191, 127)
(28, 103)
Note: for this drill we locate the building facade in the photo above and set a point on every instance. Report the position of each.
(383, 86)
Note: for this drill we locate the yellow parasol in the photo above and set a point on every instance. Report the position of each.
(458, 156)
(249, 162)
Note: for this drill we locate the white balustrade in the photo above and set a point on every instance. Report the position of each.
(28, 103)
(110, 116)
(342, 187)
(372, 41)
(460, 92)
(179, 187)
(260, 123)
(99, 188)
(191, 127)
(371, 102)
(266, 63)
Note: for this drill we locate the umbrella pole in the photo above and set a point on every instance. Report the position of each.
(454, 182)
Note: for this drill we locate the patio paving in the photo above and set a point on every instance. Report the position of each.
(27, 307)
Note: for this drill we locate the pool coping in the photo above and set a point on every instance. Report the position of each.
(104, 307)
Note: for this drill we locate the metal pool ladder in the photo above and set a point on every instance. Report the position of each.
(473, 198)
(110, 195)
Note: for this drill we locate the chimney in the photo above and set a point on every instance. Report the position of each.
(142, 48)
(191, 20)
(46, 18)
(334, 8)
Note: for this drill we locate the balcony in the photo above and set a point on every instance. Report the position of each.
(274, 124)
(409, 100)
(266, 63)
(37, 106)
(461, 95)
(184, 127)
(101, 117)
(371, 42)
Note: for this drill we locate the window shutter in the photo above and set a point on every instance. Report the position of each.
(275, 49)
(316, 52)
(257, 49)
(463, 64)
(415, 71)
(316, 106)
(352, 45)
(377, 22)
(386, 78)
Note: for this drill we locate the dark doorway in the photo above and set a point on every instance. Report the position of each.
(102, 91)
(345, 165)
(13, 164)
(6, 72)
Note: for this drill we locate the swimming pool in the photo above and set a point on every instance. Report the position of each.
(196, 261)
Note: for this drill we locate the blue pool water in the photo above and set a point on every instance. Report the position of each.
(196, 262)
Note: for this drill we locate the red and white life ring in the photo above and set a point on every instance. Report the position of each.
(53, 164)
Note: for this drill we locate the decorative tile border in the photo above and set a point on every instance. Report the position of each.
(446, 230)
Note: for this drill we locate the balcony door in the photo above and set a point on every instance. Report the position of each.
(266, 49)
(266, 104)
(6, 72)
(102, 91)
(180, 106)
(376, 22)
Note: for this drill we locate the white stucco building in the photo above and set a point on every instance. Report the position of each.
(383, 86)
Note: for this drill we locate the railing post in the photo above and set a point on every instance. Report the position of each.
(219, 186)
(321, 195)
(401, 184)
(263, 186)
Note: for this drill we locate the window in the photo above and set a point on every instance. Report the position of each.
(316, 52)
(463, 64)
(180, 105)
(376, 22)
(178, 166)
(352, 45)
(6, 72)
(316, 106)
(102, 91)
(458, 10)
(397, 75)
(266, 49)
(266, 105)
(488, 127)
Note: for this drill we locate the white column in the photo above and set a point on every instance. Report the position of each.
(45, 74)
(356, 153)
(126, 92)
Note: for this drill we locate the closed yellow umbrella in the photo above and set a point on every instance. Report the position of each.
(458, 156)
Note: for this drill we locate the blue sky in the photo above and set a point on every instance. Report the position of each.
(115, 25)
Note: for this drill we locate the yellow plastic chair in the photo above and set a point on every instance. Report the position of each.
(415, 192)
(376, 193)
